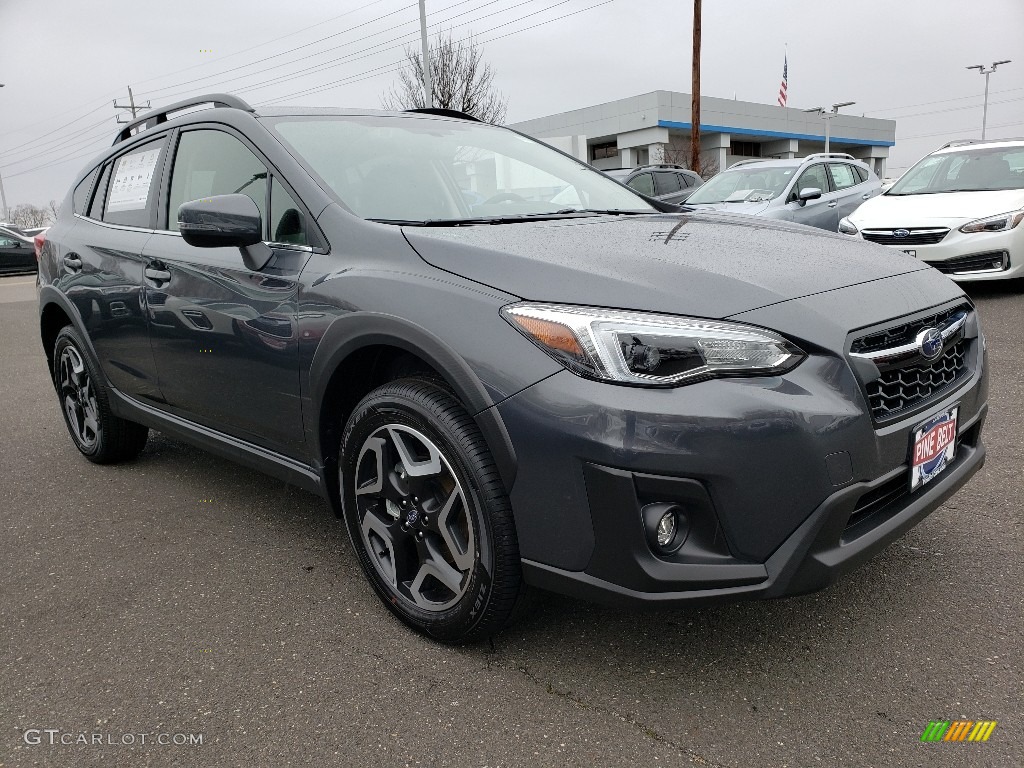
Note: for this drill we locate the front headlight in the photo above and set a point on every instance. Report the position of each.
(1000, 223)
(847, 227)
(648, 349)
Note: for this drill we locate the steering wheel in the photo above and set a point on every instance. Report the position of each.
(505, 197)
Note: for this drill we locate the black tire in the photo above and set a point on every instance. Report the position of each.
(421, 512)
(101, 436)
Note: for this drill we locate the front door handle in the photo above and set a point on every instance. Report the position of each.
(865, 196)
(73, 262)
(157, 275)
(833, 204)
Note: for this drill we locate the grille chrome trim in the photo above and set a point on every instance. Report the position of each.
(914, 236)
(947, 330)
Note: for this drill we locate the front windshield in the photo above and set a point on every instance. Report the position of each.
(428, 170)
(752, 184)
(972, 170)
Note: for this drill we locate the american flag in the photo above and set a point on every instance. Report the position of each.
(783, 87)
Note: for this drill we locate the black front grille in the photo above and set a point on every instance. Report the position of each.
(913, 237)
(994, 261)
(905, 333)
(896, 390)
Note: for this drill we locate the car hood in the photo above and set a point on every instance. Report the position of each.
(704, 264)
(931, 210)
(750, 209)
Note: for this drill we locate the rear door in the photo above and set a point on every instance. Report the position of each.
(819, 213)
(225, 336)
(850, 190)
(101, 267)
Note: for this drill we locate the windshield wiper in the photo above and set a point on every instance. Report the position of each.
(507, 219)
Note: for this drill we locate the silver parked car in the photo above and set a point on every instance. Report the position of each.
(817, 190)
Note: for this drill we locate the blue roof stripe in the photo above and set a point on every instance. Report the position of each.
(776, 134)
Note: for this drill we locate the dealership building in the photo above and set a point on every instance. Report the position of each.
(655, 128)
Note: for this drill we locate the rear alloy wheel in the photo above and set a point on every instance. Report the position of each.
(427, 512)
(101, 436)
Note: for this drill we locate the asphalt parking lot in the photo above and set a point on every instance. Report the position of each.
(183, 595)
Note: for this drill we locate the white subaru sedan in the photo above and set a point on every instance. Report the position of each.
(959, 209)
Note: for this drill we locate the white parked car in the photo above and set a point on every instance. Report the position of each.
(959, 209)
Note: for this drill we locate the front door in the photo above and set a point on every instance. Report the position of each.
(224, 335)
(815, 213)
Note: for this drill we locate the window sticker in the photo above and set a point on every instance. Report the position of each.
(129, 190)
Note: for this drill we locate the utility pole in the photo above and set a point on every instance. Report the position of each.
(428, 81)
(695, 95)
(986, 72)
(131, 107)
(827, 117)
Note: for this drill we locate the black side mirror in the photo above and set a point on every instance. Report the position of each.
(808, 193)
(226, 221)
(221, 221)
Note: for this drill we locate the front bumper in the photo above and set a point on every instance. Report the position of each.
(792, 480)
(961, 256)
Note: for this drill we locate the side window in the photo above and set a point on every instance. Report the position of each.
(81, 197)
(861, 173)
(842, 175)
(287, 221)
(134, 179)
(812, 177)
(642, 183)
(691, 181)
(210, 162)
(96, 209)
(5, 243)
(666, 183)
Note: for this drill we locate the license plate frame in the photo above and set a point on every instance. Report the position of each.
(933, 446)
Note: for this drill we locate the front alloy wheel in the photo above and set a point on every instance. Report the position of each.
(427, 512)
(415, 522)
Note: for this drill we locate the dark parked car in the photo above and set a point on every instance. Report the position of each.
(578, 392)
(17, 253)
(666, 183)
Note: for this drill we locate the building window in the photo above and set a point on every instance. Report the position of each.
(608, 149)
(744, 149)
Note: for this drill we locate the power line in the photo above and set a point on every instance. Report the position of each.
(324, 65)
(50, 133)
(965, 130)
(57, 140)
(94, 136)
(940, 101)
(277, 55)
(345, 81)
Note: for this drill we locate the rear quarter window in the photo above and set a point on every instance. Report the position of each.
(80, 199)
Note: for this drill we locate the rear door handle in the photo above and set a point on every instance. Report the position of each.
(157, 275)
(865, 196)
(73, 262)
(833, 204)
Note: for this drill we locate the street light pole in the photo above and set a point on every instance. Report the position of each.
(3, 197)
(428, 83)
(986, 72)
(827, 117)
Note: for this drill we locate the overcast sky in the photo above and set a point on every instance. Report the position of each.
(64, 61)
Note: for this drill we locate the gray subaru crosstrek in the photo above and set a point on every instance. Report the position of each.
(818, 190)
(500, 367)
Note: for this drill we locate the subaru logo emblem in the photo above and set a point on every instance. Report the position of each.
(900, 232)
(930, 342)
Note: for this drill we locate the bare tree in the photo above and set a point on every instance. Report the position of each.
(53, 210)
(27, 216)
(461, 80)
(676, 154)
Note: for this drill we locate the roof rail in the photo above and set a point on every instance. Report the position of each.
(751, 160)
(157, 116)
(965, 142)
(444, 113)
(839, 155)
(664, 165)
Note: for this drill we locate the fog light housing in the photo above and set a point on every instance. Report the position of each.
(666, 526)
